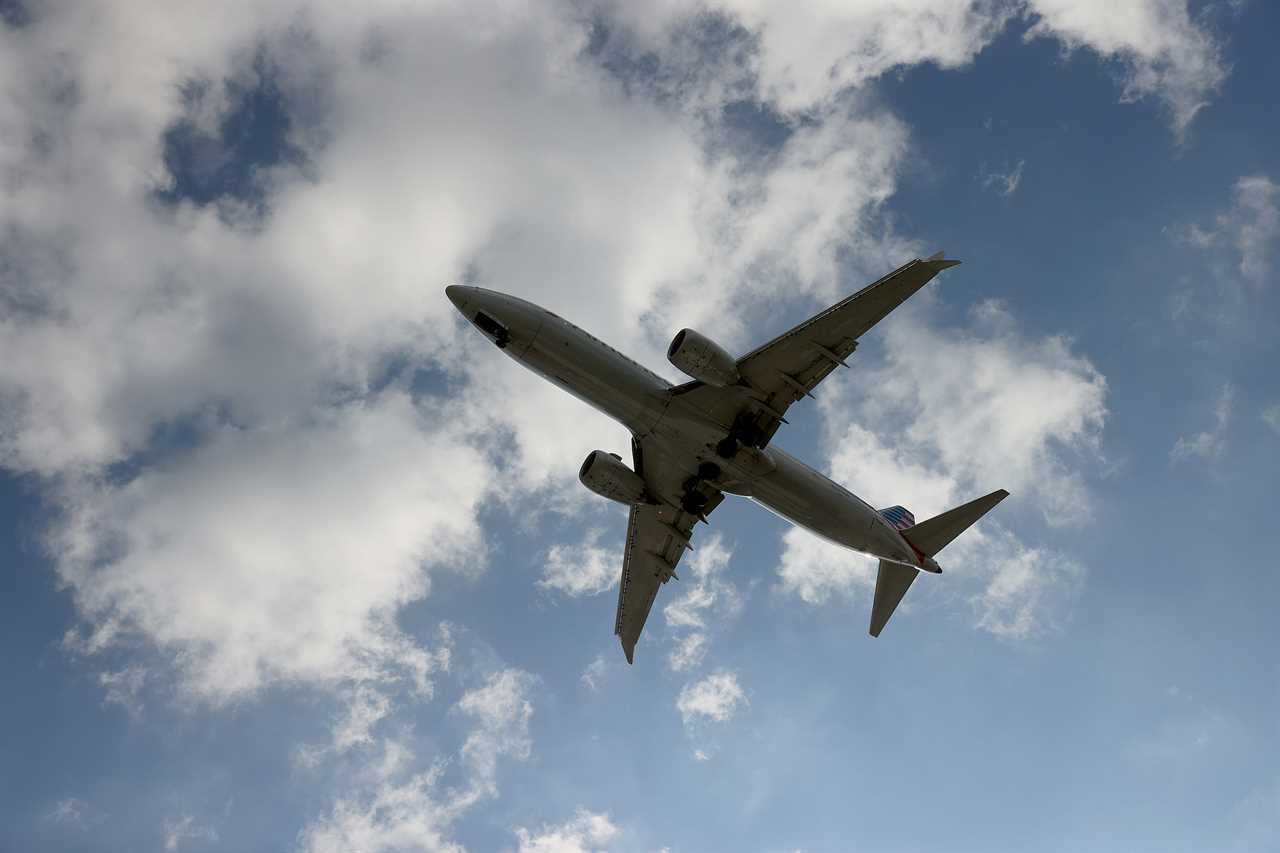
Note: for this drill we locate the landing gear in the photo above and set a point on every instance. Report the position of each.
(727, 447)
(746, 431)
(694, 502)
(708, 471)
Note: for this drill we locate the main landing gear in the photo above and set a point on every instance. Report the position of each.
(694, 501)
(746, 431)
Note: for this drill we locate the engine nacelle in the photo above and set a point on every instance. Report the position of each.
(607, 476)
(702, 358)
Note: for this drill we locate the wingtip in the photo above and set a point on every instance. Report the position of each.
(940, 260)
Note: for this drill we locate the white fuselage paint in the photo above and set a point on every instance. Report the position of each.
(642, 401)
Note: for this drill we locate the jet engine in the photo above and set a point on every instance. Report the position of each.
(607, 476)
(702, 358)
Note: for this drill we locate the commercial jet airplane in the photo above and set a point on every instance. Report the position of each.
(693, 443)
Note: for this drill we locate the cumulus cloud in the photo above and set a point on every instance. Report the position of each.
(579, 835)
(801, 64)
(706, 599)
(988, 405)
(279, 554)
(815, 569)
(392, 807)
(501, 710)
(960, 413)
(1210, 443)
(394, 811)
(583, 569)
(1165, 54)
(715, 698)
(1024, 589)
(207, 389)
(1249, 228)
(185, 373)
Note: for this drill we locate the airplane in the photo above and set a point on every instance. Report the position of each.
(696, 442)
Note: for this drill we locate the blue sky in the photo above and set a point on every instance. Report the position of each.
(295, 561)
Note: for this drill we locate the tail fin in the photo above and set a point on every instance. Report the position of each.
(932, 535)
(928, 537)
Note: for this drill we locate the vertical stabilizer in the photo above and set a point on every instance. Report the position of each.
(892, 582)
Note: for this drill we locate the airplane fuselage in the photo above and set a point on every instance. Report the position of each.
(643, 402)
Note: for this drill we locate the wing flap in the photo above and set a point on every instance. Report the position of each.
(656, 539)
(658, 534)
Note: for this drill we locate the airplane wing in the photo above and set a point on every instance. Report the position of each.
(657, 536)
(791, 365)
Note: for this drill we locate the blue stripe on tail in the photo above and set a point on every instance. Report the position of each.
(899, 516)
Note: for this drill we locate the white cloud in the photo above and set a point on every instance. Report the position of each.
(1024, 589)
(394, 812)
(961, 413)
(1002, 183)
(69, 811)
(439, 150)
(706, 600)
(1271, 417)
(715, 698)
(801, 64)
(223, 360)
(1164, 53)
(1255, 218)
(583, 569)
(579, 835)
(594, 674)
(814, 568)
(280, 554)
(391, 808)
(1212, 442)
(1247, 231)
(501, 710)
(178, 831)
(123, 687)
(988, 406)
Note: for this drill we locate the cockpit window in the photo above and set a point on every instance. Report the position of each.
(492, 328)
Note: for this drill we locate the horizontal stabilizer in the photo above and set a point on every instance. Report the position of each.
(892, 582)
(931, 536)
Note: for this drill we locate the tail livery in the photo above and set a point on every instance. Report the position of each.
(926, 538)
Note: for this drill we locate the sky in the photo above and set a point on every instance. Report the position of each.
(294, 560)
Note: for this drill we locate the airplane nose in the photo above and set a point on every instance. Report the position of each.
(458, 296)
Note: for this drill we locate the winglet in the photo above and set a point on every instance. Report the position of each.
(939, 259)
